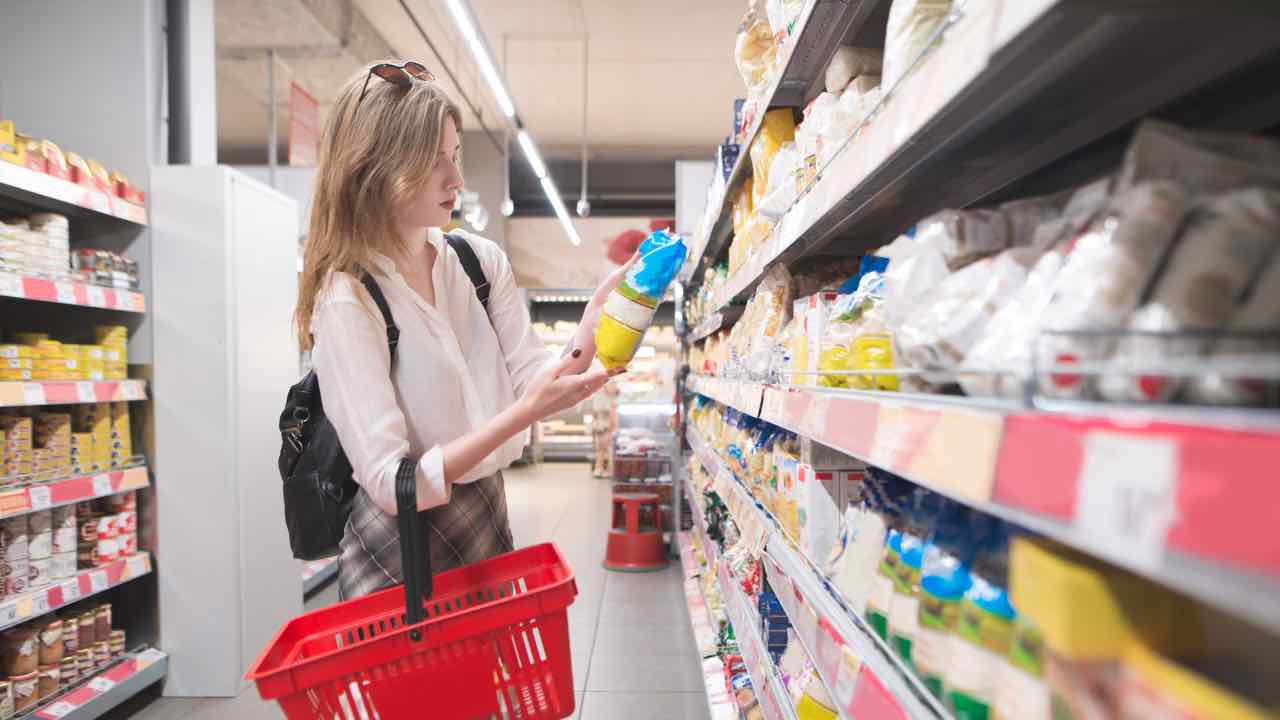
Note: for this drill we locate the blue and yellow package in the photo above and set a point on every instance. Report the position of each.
(629, 309)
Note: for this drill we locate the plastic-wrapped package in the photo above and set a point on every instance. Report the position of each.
(1204, 162)
(1225, 242)
(781, 192)
(913, 272)
(1105, 278)
(754, 50)
(782, 16)
(774, 299)
(911, 25)
(1259, 313)
(629, 310)
(778, 127)
(811, 135)
(941, 331)
(850, 62)
(855, 104)
(964, 236)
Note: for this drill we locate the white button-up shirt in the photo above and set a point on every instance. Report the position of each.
(455, 368)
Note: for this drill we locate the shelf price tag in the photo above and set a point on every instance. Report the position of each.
(135, 565)
(98, 581)
(40, 603)
(102, 484)
(41, 497)
(149, 657)
(101, 684)
(9, 613)
(97, 298)
(33, 394)
(85, 393)
(1127, 495)
(66, 292)
(60, 709)
(11, 285)
(70, 590)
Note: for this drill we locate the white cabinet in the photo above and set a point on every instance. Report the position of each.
(225, 278)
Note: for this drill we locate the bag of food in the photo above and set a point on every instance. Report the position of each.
(1107, 275)
(1260, 313)
(812, 133)
(853, 108)
(850, 62)
(754, 50)
(781, 193)
(629, 310)
(1225, 242)
(778, 127)
(911, 26)
(782, 17)
(1208, 163)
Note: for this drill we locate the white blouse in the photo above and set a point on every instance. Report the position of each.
(455, 368)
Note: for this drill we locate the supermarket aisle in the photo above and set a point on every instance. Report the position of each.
(633, 654)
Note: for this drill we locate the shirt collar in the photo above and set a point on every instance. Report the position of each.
(387, 266)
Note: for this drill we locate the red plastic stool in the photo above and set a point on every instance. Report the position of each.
(633, 547)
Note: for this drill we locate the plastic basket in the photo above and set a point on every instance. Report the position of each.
(493, 642)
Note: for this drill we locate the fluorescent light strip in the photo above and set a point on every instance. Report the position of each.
(531, 154)
(549, 187)
(462, 16)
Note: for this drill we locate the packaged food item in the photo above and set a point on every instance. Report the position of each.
(1104, 278)
(6, 699)
(1260, 312)
(778, 127)
(1225, 242)
(70, 672)
(813, 135)
(630, 307)
(25, 690)
(1154, 687)
(117, 643)
(944, 580)
(859, 98)
(1021, 693)
(755, 50)
(21, 650)
(849, 63)
(41, 573)
(14, 537)
(904, 607)
(102, 622)
(11, 150)
(912, 24)
(1203, 162)
(87, 622)
(782, 189)
(782, 17)
(50, 679)
(984, 629)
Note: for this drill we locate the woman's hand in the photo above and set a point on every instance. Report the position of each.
(584, 338)
(560, 387)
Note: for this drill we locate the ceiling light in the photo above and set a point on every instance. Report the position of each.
(462, 16)
(553, 195)
(531, 154)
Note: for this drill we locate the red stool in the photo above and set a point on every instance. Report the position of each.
(633, 547)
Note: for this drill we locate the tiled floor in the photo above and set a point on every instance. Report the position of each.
(633, 654)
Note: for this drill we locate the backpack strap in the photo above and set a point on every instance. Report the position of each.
(471, 264)
(393, 332)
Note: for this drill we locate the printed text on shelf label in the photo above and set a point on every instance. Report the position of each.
(1127, 495)
(41, 497)
(101, 484)
(70, 591)
(98, 580)
(101, 684)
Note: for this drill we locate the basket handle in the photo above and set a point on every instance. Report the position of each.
(415, 560)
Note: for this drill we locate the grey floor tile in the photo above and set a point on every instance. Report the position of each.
(646, 706)
(662, 640)
(151, 707)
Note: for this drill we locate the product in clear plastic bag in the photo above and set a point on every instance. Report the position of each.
(781, 192)
(811, 134)
(911, 26)
(1218, 254)
(964, 236)
(779, 126)
(1203, 162)
(754, 50)
(916, 269)
(1105, 278)
(629, 309)
(1260, 313)
(782, 17)
(850, 62)
(855, 104)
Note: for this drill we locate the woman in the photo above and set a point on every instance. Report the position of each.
(465, 384)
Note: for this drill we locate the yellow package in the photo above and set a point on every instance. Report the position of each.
(13, 351)
(1158, 688)
(873, 352)
(779, 126)
(10, 149)
(742, 207)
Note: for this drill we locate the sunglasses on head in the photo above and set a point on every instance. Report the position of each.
(399, 75)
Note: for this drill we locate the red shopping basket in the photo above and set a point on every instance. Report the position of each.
(493, 642)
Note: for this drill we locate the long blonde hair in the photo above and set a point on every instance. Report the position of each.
(374, 153)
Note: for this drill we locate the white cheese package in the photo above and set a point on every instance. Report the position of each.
(964, 236)
(912, 24)
(1260, 313)
(1205, 162)
(849, 63)
(1103, 281)
(1225, 242)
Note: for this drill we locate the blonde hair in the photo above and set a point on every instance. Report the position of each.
(374, 153)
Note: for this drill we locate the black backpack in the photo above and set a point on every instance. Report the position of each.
(318, 482)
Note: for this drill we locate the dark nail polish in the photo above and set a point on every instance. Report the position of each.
(577, 352)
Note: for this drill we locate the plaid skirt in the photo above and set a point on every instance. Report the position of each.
(471, 527)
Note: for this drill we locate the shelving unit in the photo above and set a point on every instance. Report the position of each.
(70, 292)
(69, 490)
(720, 705)
(118, 682)
(37, 190)
(17, 609)
(29, 394)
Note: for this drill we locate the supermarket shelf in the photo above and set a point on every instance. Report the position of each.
(722, 318)
(38, 190)
(27, 394)
(70, 292)
(21, 608)
(1019, 88)
(774, 700)
(317, 574)
(860, 673)
(720, 704)
(1072, 477)
(65, 491)
(91, 699)
(819, 30)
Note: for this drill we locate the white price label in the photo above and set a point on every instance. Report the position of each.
(101, 684)
(66, 292)
(33, 394)
(97, 298)
(102, 484)
(39, 604)
(136, 565)
(98, 580)
(70, 591)
(9, 613)
(11, 285)
(1127, 496)
(149, 657)
(60, 709)
(41, 497)
(85, 392)
(133, 390)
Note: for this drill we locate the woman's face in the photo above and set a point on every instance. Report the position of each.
(431, 204)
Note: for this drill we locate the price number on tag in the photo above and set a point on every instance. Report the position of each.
(101, 684)
(66, 292)
(41, 497)
(97, 297)
(98, 580)
(60, 709)
(70, 591)
(102, 484)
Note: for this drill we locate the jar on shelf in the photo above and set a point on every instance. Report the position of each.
(65, 530)
(101, 653)
(87, 636)
(25, 691)
(40, 535)
(40, 573)
(21, 654)
(50, 680)
(70, 671)
(102, 622)
(16, 574)
(70, 634)
(52, 647)
(6, 700)
(13, 538)
(84, 662)
(117, 643)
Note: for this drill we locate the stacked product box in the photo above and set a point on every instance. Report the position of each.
(114, 340)
(18, 452)
(50, 444)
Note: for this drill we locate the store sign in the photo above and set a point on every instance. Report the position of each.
(304, 127)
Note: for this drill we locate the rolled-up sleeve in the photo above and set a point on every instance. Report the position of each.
(353, 365)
